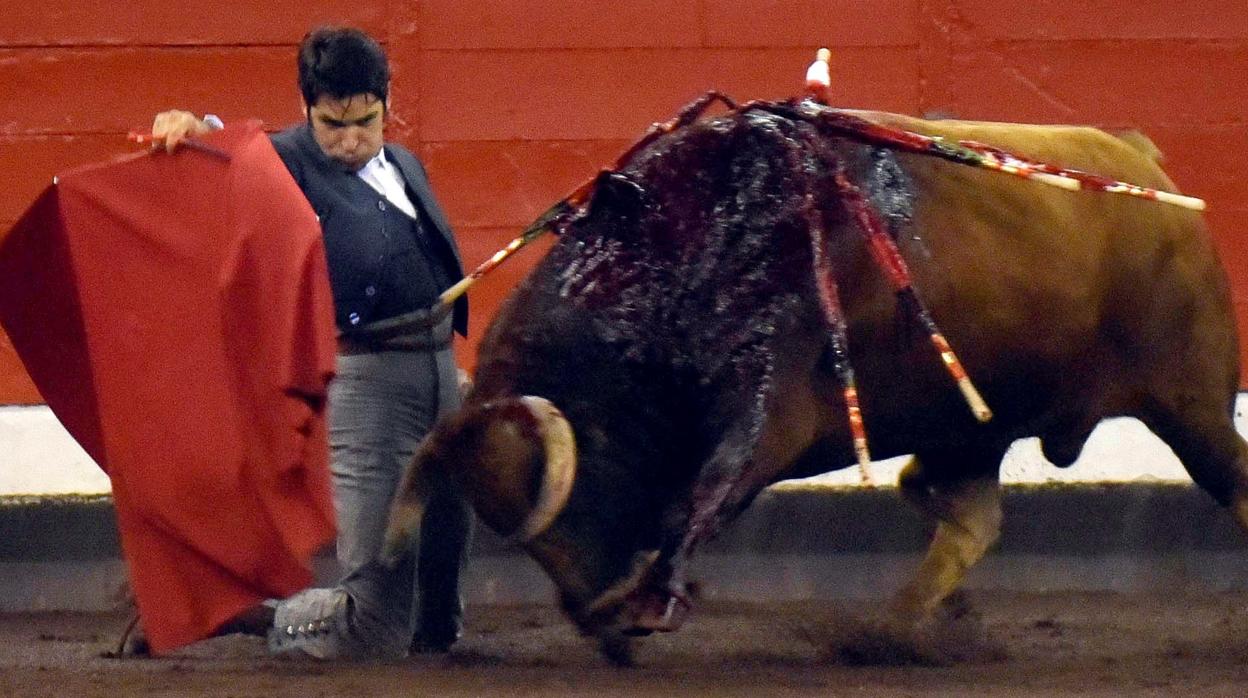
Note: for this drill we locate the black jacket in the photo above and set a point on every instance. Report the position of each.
(354, 227)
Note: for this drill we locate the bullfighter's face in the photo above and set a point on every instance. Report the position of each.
(350, 130)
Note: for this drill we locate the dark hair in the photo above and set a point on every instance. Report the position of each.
(340, 62)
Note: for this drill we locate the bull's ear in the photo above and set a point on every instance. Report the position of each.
(408, 508)
(515, 461)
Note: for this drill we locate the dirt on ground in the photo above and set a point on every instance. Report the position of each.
(994, 644)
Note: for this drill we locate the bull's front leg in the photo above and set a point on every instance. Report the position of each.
(967, 513)
(723, 487)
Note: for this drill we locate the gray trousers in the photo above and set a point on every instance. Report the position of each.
(380, 407)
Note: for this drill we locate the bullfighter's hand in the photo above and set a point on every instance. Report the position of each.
(175, 125)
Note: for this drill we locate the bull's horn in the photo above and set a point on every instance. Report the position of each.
(560, 447)
(516, 460)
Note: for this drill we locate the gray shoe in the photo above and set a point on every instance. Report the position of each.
(312, 623)
(326, 624)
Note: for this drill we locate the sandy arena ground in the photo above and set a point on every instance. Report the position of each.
(1010, 644)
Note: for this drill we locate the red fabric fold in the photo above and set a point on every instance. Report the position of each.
(175, 312)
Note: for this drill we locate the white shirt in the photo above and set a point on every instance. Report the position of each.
(385, 178)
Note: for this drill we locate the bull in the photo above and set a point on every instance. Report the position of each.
(668, 359)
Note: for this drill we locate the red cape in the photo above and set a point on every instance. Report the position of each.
(175, 313)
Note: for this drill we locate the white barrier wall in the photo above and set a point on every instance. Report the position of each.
(38, 457)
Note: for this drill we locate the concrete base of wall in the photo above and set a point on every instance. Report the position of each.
(793, 543)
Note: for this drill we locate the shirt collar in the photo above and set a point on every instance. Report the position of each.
(378, 161)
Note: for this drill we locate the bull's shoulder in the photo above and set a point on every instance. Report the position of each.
(1131, 156)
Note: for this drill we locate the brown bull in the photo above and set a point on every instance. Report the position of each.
(675, 360)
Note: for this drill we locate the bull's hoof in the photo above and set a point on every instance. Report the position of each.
(656, 614)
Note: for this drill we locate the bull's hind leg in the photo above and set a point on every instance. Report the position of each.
(967, 512)
(1203, 437)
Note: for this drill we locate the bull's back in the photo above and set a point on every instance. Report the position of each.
(1130, 158)
(1064, 306)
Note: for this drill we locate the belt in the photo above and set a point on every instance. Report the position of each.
(427, 338)
(422, 341)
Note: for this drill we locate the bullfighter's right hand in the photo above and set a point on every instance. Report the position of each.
(175, 125)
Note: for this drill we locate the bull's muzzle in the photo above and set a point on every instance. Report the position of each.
(642, 602)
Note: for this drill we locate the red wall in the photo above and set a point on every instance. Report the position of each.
(513, 102)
